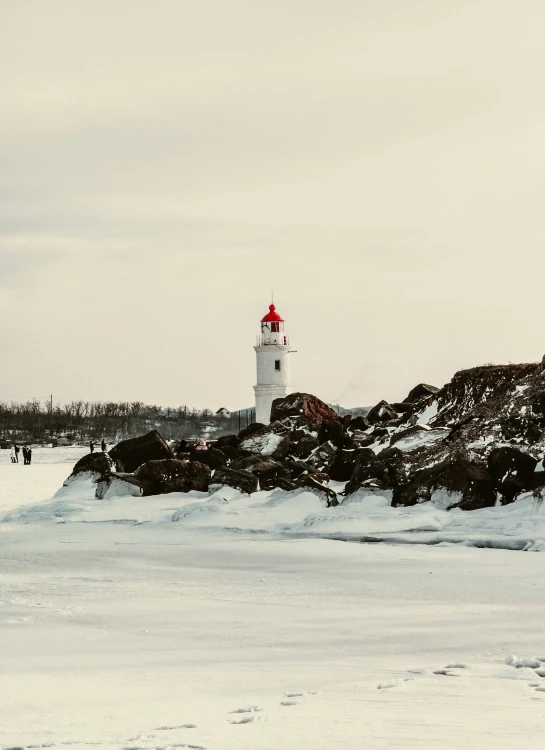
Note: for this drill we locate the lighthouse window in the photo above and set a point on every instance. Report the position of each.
(277, 365)
(275, 328)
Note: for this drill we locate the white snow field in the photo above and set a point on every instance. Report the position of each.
(227, 622)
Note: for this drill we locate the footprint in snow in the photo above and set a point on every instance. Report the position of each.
(247, 710)
(289, 703)
(390, 684)
(244, 720)
(177, 726)
(514, 661)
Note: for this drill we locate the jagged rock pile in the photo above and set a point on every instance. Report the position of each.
(477, 439)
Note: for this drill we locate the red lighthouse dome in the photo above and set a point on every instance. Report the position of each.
(272, 316)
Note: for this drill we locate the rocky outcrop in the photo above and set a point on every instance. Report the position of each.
(477, 439)
(170, 475)
(130, 454)
(302, 404)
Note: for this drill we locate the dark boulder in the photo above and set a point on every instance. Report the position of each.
(241, 479)
(212, 457)
(302, 404)
(382, 412)
(341, 467)
(512, 471)
(509, 489)
(130, 454)
(359, 423)
(231, 454)
(320, 477)
(382, 470)
(265, 468)
(520, 428)
(250, 429)
(458, 475)
(306, 445)
(419, 391)
(298, 467)
(321, 457)
(346, 419)
(332, 430)
(361, 440)
(99, 463)
(227, 441)
(171, 475)
(298, 434)
(508, 462)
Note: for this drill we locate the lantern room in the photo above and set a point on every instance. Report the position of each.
(272, 329)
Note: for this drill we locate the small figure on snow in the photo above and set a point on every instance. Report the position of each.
(28, 455)
(17, 449)
(12, 455)
(25, 455)
(91, 446)
(103, 446)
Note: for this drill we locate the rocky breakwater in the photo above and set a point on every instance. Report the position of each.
(478, 441)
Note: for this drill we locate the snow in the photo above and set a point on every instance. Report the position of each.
(418, 439)
(264, 445)
(429, 413)
(233, 627)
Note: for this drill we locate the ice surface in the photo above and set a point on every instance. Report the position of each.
(121, 628)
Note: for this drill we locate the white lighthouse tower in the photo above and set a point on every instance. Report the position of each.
(273, 365)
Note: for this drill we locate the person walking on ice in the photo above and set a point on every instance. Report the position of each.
(12, 455)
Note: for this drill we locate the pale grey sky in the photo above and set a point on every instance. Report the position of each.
(164, 164)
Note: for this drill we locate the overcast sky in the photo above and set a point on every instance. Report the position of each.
(164, 164)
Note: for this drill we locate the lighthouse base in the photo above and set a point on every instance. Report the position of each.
(264, 396)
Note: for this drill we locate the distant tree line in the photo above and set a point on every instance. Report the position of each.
(80, 420)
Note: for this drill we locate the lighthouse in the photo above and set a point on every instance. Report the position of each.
(273, 365)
